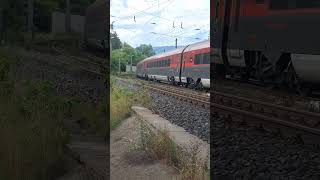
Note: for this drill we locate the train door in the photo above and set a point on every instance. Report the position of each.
(181, 62)
(234, 53)
(221, 26)
(225, 31)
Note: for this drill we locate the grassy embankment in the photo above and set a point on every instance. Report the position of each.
(121, 100)
(32, 132)
(31, 127)
(160, 146)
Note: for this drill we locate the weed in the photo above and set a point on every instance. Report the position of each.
(161, 147)
(120, 105)
(31, 132)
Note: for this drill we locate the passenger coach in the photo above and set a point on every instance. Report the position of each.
(188, 66)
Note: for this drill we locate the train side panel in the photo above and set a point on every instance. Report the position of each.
(271, 27)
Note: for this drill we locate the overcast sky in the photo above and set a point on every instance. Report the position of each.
(151, 21)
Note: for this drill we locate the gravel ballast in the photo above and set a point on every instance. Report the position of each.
(241, 152)
(194, 119)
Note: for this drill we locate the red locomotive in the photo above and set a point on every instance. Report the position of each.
(274, 41)
(189, 66)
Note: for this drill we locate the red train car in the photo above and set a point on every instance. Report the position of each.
(189, 65)
(269, 40)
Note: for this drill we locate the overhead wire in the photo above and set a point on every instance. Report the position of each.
(172, 33)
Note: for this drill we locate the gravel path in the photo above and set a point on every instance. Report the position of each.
(249, 153)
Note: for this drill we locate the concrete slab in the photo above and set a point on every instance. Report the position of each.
(177, 134)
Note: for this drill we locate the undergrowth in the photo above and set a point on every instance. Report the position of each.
(31, 131)
(120, 105)
(160, 146)
(121, 101)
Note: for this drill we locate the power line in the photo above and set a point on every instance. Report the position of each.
(139, 11)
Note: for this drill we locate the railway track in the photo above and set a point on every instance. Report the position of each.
(272, 117)
(86, 64)
(82, 63)
(288, 121)
(182, 94)
(193, 98)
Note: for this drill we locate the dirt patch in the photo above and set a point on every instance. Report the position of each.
(127, 159)
(138, 157)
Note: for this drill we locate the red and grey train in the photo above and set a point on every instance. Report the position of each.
(275, 41)
(189, 66)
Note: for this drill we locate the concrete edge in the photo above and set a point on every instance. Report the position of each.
(177, 134)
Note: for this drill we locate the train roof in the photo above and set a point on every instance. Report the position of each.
(191, 47)
(199, 45)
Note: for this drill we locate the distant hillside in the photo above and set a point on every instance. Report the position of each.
(161, 49)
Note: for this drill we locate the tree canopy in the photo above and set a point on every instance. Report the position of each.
(125, 52)
(14, 13)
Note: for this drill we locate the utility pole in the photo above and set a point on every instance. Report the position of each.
(176, 43)
(119, 67)
(110, 37)
(30, 17)
(131, 64)
(68, 17)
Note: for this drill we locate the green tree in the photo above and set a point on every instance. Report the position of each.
(13, 19)
(124, 55)
(145, 50)
(115, 41)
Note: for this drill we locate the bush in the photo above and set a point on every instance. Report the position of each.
(120, 105)
(31, 132)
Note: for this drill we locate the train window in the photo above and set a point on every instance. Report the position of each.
(307, 3)
(276, 4)
(168, 62)
(206, 58)
(259, 1)
(198, 59)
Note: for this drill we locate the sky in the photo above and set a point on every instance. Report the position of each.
(158, 22)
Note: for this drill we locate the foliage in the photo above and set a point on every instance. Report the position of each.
(115, 41)
(120, 105)
(31, 131)
(12, 17)
(14, 13)
(121, 100)
(126, 52)
(90, 118)
(145, 50)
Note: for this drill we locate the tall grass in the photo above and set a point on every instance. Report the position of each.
(120, 105)
(160, 146)
(91, 118)
(121, 100)
(31, 129)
